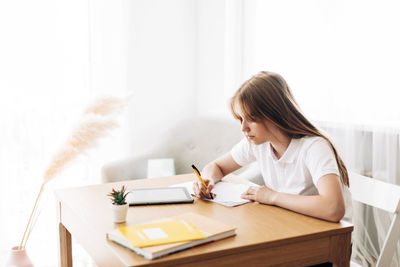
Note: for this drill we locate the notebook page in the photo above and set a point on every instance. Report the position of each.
(227, 194)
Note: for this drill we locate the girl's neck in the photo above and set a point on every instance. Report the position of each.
(280, 145)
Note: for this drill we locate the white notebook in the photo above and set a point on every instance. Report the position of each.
(227, 194)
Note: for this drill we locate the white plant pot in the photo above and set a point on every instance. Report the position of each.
(119, 212)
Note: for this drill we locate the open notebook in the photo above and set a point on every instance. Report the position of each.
(227, 194)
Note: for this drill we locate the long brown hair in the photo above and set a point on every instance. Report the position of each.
(266, 95)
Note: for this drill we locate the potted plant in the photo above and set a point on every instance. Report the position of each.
(119, 205)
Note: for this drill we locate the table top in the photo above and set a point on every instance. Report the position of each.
(258, 225)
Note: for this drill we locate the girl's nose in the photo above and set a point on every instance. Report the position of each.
(245, 127)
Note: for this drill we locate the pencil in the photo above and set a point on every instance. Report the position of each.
(201, 179)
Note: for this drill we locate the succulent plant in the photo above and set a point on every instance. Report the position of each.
(118, 197)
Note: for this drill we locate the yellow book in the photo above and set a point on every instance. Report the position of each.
(211, 228)
(164, 232)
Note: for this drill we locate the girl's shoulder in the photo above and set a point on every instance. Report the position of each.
(309, 142)
(312, 139)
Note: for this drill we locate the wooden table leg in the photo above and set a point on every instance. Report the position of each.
(340, 250)
(65, 247)
(64, 236)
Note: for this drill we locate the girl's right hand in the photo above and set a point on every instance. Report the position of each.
(202, 192)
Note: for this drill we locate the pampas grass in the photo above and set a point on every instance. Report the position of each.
(96, 122)
(108, 105)
(82, 138)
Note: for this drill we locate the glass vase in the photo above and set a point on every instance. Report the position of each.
(18, 258)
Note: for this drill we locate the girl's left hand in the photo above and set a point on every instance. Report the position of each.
(262, 194)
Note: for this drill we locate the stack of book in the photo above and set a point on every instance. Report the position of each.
(159, 238)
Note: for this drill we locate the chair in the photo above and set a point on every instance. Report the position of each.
(195, 141)
(384, 196)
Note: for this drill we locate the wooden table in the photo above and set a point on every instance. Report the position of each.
(266, 235)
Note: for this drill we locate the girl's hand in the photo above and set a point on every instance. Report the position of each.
(262, 194)
(202, 192)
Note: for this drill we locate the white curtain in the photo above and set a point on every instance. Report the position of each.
(342, 61)
(374, 151)
(55, 57)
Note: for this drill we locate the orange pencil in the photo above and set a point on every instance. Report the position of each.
(201, 179)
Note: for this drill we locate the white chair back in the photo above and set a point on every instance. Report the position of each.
(384, 196)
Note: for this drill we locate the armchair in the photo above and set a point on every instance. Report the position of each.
(196, 141)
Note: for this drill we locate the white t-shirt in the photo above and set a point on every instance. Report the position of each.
(304, 162)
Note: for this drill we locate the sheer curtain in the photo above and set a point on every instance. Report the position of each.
(342, 61)
(56, 56)
(372, 150)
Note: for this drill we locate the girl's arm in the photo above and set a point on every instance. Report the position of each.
(213, 172)
(328, 205)
(220, 167)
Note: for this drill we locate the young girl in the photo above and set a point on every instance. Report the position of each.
(301, 168)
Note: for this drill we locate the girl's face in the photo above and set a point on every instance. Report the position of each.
(256, 132)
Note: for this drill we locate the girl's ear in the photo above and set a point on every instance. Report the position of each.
(272, 127)
(268, 123)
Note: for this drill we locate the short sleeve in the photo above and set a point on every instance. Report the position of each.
(320, 160)
(242, 153)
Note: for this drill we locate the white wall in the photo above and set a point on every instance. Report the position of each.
(210, 55)
(219, 55)
(108, 35)
(341, 58)
(160, 68)
(175, 65)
